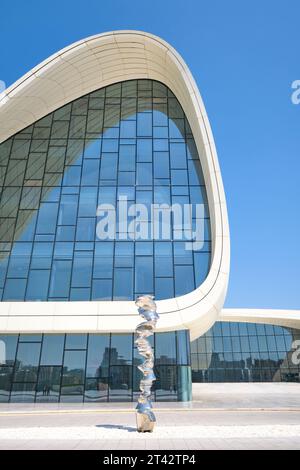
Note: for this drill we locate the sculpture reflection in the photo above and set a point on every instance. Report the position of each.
(147, 309)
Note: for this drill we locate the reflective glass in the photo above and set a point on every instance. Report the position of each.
(48, 386)
(98, 356)
(52, 349)
(27, 361)
(128, 140)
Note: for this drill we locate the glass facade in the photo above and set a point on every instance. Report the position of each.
(129, 140)
(91, 367)
(246, 352)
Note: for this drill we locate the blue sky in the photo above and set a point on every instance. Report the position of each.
(244, 56)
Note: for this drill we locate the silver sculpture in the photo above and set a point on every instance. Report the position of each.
(145, 417)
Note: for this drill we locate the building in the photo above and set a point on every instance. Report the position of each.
(91, 138)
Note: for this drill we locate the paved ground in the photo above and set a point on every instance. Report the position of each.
(222, 416)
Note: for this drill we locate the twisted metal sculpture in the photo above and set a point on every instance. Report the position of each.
(145, 417)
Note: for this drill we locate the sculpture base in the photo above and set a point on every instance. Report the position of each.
(143, 423)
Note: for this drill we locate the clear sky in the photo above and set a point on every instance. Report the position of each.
(244, 56)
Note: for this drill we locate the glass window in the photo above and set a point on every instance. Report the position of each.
(144, 124)
(124, 254)
(102, 289)
(38, 283)
(179, 177)
(144, 274)
(107, 143)
(5, 383)
(166, 383)
(47, 218)
(82, 269)
(76, 341)
(127, 158)
(41, 255)
(14, 289)
(182, 347)
(120, 381)
(181, 254)
(165, 348)
(144, 173)
(60, 278)
(90, 173)
(8, 345)
(178, 156)
(144, 150)
(103, 260)
(123, 284)
(48, 386)
(19, 260)
(121, 349)
(164, 288)
(25, 338)
(92, 146)
(23, 392)
(52, 350)
(28, 355)
(128, 129)
(98, 355)
(161, 165)
(96, 390)
(68, 210)
(85, 230)
(73, 372)
(109, 163)
(184, 280)
(163, 259)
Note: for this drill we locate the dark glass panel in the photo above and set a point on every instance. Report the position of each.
(6, 374)
(23, 392)
(120, 380)
(98, 356)
(52, 350)
(73, 372)
(121, 349)
(165, 348)
(27, 361)
(48, 386)
(96, 390)
(76, 341)
(166, 383)
(182, 347)
(8, 347)
(184, 280)
(123, 284)
(72, 156)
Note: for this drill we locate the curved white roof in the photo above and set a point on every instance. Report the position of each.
(76, 70)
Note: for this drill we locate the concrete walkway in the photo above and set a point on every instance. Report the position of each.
(222, 416)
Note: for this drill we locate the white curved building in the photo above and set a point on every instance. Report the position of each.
(114, 117)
